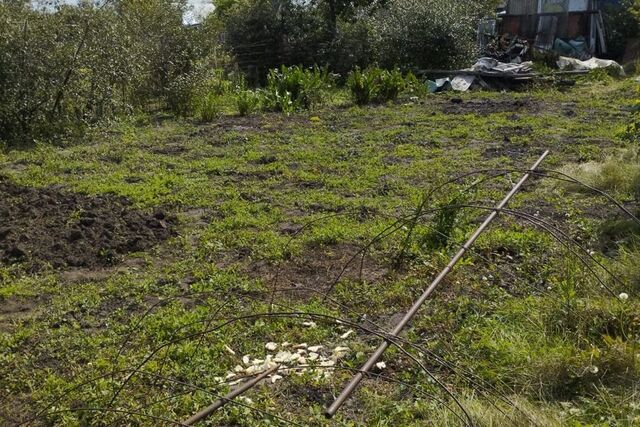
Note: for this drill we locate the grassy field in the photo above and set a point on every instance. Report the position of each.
(267, 218)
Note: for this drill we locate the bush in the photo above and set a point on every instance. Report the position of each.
(208, 108)
(364, 85)
(291, 88)
(622, 22)
(426, 33)
(353, 46)
(345, 35)
(64, 70)
(213, 74)
(264, 35)
(374, 84)
(247, 101)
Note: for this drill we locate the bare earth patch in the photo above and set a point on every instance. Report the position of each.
(319, 268)
(62, 229)
(485, 107)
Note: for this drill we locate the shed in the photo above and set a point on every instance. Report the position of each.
(573, 27)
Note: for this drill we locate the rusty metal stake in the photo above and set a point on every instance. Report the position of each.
(350, 388)
(229, 397)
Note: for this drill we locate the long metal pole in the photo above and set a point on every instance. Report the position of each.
(350, 388)
(229, 397)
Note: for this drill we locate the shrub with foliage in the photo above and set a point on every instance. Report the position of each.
(344, 35)
(213, 74)
(622, 22)
(377, 85)
(65, 69)
(618, 174)
(364, 85)
(426, 33)
(264, 35)
(291, 88)
(247, 101)
(353, 46)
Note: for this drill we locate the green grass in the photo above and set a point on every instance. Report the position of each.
(519, 312)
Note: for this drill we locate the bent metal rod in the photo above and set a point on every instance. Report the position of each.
(353, 384)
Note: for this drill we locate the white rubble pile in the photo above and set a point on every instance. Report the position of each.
(298, 359)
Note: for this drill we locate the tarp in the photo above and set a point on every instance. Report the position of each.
(566, 63)
(576, 48)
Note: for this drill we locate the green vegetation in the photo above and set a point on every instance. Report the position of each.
(247, 101)
(293, 197)
(377, 85)
(63, 72)
(71, 68)
(262, 206)
(292, 88)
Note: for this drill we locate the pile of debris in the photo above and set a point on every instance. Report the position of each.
(486, 73)
(489, 73)
(562, 33)
(293, 359)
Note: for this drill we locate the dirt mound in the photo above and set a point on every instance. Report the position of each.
(49, 226)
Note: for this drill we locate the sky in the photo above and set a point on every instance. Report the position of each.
(199, 8)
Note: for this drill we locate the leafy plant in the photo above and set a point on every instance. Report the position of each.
(364, 85)
(305, 87)
(247, 101)
(208, 107)
(279, 101)
(414, 85)
(392, 83)
(375, 84)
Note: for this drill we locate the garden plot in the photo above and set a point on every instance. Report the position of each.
(276, 260)
(61, 229)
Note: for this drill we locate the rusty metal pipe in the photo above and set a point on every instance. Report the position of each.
(229, 397)
(353, 384)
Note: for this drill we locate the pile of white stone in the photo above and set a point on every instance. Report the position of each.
(293, 359)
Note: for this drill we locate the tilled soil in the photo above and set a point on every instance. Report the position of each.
(53, 227)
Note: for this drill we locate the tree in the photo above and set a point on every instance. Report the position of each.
(426, 33)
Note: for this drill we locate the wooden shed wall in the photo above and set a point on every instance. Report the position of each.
(522, 7)
(531, 7)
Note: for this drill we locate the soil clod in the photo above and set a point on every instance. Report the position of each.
(52, 227)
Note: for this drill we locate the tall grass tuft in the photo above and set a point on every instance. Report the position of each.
(618, 173)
